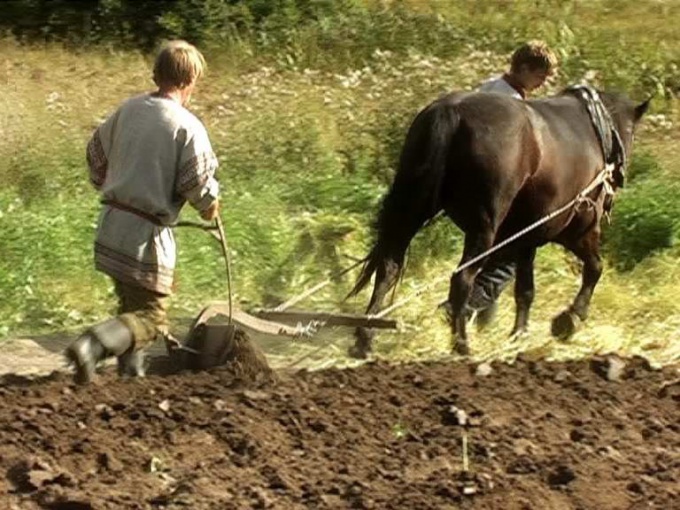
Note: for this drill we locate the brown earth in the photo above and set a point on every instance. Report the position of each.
(540, 436)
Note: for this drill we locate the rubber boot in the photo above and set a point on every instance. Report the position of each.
(84, 354)
(132, 364)
(109, 338)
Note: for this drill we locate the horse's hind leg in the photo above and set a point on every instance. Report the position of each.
(385, 278)
(524, 289)
(587, 248)
(461, 285)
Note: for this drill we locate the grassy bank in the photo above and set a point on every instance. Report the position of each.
(307, 138)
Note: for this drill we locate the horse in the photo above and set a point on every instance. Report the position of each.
(493, 165)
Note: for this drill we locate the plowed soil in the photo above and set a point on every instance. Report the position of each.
(539, 436)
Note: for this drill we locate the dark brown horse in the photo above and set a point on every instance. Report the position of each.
(494, 165)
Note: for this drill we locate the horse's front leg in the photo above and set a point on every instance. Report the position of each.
(524, 290)
(461, 285)
(385, 278)
(587, 248)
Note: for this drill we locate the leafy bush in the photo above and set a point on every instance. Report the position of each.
(643, 164)
(645, 220)
(339, 33)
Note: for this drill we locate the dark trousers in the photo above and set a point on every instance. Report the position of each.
(490, 283)
(143, 311)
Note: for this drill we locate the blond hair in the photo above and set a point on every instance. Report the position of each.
(535, 55)
(178, 63)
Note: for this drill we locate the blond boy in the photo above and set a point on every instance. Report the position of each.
(147, 160)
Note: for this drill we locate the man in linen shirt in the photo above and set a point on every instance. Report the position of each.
(147, 160)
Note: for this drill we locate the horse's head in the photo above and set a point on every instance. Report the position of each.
(625, 114)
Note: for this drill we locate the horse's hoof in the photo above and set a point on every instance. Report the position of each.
(462, 348)
(564, 325)
(358, 352)
(518, 333)
(363, 343)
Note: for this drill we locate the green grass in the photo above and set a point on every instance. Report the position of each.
(308, 145)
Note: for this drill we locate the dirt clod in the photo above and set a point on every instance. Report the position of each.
(483, 370)
(561, 475)
(109, 462)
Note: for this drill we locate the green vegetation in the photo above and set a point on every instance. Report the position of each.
(307, 105)
(647, 219)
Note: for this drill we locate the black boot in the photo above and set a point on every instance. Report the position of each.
(109, 338)
(84, 354)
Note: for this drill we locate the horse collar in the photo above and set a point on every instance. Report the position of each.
(613, 150)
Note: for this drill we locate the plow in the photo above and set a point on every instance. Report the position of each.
(211, 337)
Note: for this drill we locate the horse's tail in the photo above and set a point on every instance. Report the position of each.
(414, 197)
(370, 267)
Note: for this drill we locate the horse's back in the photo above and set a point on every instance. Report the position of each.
(501, 136)
(551, 135)
(485, 108)
(517, 160)
(570, 149)
(564, 159)
(490, 154)
(499, 126)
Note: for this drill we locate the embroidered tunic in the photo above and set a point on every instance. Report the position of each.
(147, 159)
(500, 86)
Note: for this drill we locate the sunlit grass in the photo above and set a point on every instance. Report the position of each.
(306, 155)
(636, 313)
